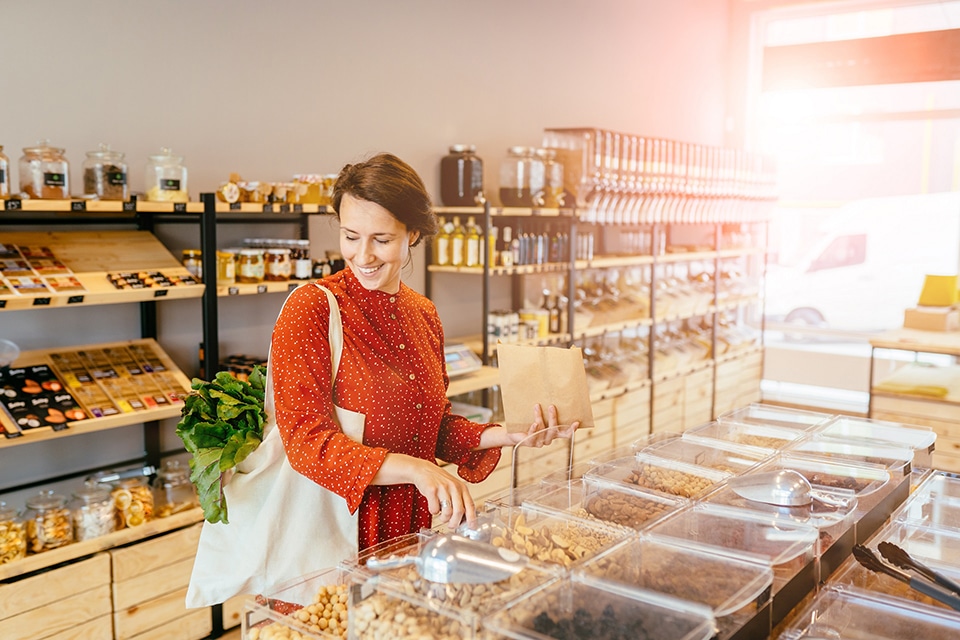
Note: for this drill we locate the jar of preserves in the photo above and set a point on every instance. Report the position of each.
(92, 511)
(461, 177)
(13, 535)
(309, 187)
(105, 174)
(173, 490)
(250, 266)
(521, 178)
(166, 178)
(277, 266)
(48, 522)
(226, 267)
(300, 256)
(132, 502)
(4, 178)
(192, 259)
(552, 178)
(44, 172)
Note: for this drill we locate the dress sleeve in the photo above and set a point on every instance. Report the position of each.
(301, 371)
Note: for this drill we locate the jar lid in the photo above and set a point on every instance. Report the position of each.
(251, 252)
(463, 148)
(192, 253)
(43, 148)
(173, 470)
(104, 152)
(279, 251)
(46, 500)
(520, 151)
(7, 512)
(166, 155)
(92, 492)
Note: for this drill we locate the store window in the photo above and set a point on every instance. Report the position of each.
(859, 102)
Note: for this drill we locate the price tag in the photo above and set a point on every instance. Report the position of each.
(78, 205)
(284, 208)
(268, 208)
(59, 427)
(13, 204)
(3, 304)
(41, 302)
(74, 299)
(298, 208)
(292, 286)
(235, 206)
(130, 205)
(261, 288)
(233, 291)
(160, 293)
(179, 207)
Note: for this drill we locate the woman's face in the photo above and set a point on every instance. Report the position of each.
(374, 244)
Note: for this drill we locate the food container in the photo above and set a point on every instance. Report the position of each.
(166, 178)
(4, 175)
(133, 502)
(92, 512)
(763, 439)
(105, 174)
(719, 455)
(44, 172)
(461, 177)
(666, 477)
(48, 522)
(579, 151)
(173, 491)
(314, 606)
(226, 267)
(847, 615)
(277, 266)
(521, 178)
(593, 606)
(308, 188)
(300, 257)
(764, 414)
(897, 460)
(935, 503)
(735, 589)
(552, 178)
(381, 611)
(617, 503)
(919, 439)
(251, 267)
(13, 535)
(192, 260)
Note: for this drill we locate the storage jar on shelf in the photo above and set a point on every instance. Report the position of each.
(13, 535)
(250, 266)
(173, 491)
(48, 522)
(461, 177)
(4, 175)
(105, 174)
(521, 178)
(166, 178)
(92, 512)
(552, 178)
(133, 502)
(44, 172)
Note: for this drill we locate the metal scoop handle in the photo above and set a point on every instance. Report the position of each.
(393, 562)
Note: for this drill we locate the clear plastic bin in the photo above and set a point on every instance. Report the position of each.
(762, 439)
(299, 606)
(666, 477)
(380, 611)
(614, 503)
(830, 475)
(764, 414)
(919, 439)
(848, 615)
(594, 605)
(720, 456)
(935, 503)
(897, 460)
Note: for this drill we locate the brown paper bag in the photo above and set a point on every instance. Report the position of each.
(545, 375)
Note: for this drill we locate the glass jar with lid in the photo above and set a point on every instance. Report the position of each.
(300, 256)
(277, 266)
(132, 502)
(226, 267)
(166, 178)
(173, 491)
(461, 177)
(13, 535)
(250, 266)
(552, 178)
(4, 178)
(521, 178)
(92, 511)
(192, 259)
(44, 172)
(48, 522)
(105, 174)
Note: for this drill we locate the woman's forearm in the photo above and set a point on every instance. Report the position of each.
(494, 437)
(397, 468)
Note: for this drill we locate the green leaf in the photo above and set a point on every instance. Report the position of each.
(258, 379)
(205, 475)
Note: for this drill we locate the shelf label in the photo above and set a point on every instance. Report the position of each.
(74, 299)
(261, 288)
(268, 208)
(59, 427)
(13, 204)
(292, 286)
(160, 293)
(235, 206)
(284, 208)
(78, 205)
(179, 207)
(297, 208)
(233, 291)
(3, 304)
(130, 205)
(41, 302)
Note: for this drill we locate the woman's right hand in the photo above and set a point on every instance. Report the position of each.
(447, 495)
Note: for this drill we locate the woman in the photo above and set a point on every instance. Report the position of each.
(392, 370)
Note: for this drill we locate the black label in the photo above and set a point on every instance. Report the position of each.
(13, 204)
(284, 208)
(55, 179)
(117, 178)
(169, 184)
(3, 175)
(235, 206)
(159, 293)
(130, 206)
(292, 286)
(268, 208)
(261, 288)
(41, 302)
(78, 205)
(3, 303)
(233, 291)
(298, 208)
(179, 207)
(74, 299)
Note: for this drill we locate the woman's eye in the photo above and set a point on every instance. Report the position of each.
(383, 242)
(350, 238)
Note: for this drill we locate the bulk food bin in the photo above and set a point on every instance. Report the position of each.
(380, 611)
(590, 607)
(720, 456)
(934, 503)
(300, 606)
(666, 477)
(790, 548)
(737, 590)
(895, 459)
(845, 615)
(763, 414)
(919, 439)
(759, 438)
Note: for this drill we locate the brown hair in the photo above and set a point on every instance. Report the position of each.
(390, 182)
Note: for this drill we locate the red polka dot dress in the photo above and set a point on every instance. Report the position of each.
(392, 370)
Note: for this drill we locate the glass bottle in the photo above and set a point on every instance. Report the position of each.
(13, 535)
(48, 522)
(105, 174)
(44, 172)
(92, 511)
(472, 246)
(4, 182)
(302, 264)
(521, 178)
(173, 490)
(461, 177)
(441, 245)
(506, 248)
(166, 178)
(457, 239)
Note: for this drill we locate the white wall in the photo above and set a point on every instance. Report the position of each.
(268, 89)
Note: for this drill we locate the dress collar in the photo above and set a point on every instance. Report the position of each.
(363, 295)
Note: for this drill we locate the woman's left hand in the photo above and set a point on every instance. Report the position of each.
(541, 433)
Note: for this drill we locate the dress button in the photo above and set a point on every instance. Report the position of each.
(403, 346)
(413, 377)
(393, 298)
(419, 406)
(393, 316)
(416, 437)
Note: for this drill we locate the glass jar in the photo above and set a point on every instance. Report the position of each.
(309, 187)
(44, 172)
(13, 535)
(552, 178)
(132, 502)
(326, 188)
(92, 512)
(48, 522)
(521, 178)
(105, 174)
(461, 177)
(166, 178)
(192, 259)
(226, 268)
(4, 183)
(250, 266)
(277, 265)
(302, 264)
(173, 491)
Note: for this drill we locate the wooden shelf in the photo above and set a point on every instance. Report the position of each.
(942, 342)
(690, 256)
(88, 547)
(606, 262)
(518, 212)
(523, 269)
(243, 289)
(485, 378)
(81, 206)
(612, 327)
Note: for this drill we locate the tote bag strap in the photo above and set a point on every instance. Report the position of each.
(335, 331)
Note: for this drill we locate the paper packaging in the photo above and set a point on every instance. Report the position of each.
(932, 318)
(546, 375)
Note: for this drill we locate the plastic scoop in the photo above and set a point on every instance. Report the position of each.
(450, 558)
(783, 487)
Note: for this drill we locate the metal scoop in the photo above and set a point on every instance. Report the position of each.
(451, 558)
(784, 488)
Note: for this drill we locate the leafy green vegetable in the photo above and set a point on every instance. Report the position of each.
(221, 424)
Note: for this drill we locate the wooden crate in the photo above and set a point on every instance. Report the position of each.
(232, 611)
(737, 382)
(631, 417)
(590, 442)
(58, 602)
(534, 464)
(697, 397)
(149, 586)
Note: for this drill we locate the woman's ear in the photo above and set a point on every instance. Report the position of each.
(414, 236)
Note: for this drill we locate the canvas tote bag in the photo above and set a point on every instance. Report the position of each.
(282, 525)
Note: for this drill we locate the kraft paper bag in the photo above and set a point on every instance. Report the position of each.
(546, 375)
